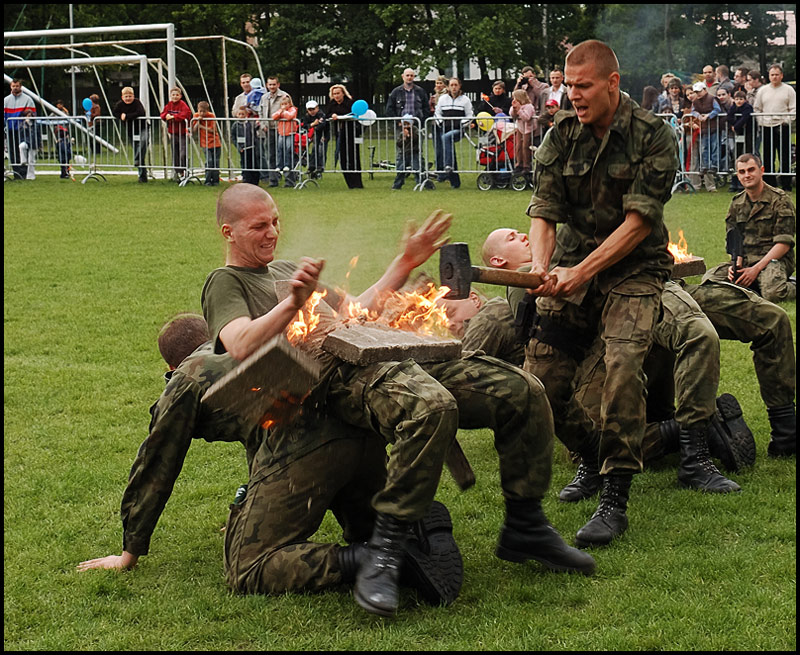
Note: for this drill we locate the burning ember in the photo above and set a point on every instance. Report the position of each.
(414, 311)
(679, 251)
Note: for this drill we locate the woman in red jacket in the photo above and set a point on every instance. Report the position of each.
(176, 114)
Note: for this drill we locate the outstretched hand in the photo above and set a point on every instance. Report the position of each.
(113, 562)
(420, 243)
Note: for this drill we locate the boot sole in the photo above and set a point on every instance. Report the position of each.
(740, 445)
(437, 572)
(685, 485)
(519, 558)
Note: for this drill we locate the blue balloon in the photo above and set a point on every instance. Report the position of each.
(359, 107)
(87, 104)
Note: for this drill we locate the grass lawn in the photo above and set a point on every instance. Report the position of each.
(91, 272)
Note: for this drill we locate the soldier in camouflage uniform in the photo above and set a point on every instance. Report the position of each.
(300, 453)
(486, 326)
(682, 332)
(765, 217)
(604, 171)
(417, 408)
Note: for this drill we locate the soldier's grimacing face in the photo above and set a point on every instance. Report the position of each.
(590, 93)
(254, 237)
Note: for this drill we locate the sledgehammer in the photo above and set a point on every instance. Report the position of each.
(456, 272)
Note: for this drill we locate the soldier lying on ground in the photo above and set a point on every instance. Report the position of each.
(682, 330)
(293, 452)
(417, 408)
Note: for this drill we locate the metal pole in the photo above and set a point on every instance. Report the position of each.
(74, 105)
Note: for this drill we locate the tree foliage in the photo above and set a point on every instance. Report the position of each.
(368, 45)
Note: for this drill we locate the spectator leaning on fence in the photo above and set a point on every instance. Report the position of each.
(14, 104)
(131, 111)
(270, 104)
(408, 99)
(778, 102)
(314, 122)
(286, 118)
(740, 119)
(204, 124)
(454, 110)
(706, 109)
(176, 115)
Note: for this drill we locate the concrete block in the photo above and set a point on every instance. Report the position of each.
(366, 344)
(268, 385)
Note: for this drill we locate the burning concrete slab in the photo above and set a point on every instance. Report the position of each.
(688, 266)
(268, 385)
(363, 344)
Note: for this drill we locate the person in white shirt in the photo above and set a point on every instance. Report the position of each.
(454, 111)
(777, 102)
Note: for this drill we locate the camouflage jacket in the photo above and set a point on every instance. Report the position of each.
(590, 185)
(763, 223)
(177, 417)
(491, 331)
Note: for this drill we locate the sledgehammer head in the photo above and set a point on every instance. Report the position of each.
(455, 270)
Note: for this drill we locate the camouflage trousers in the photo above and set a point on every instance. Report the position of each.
(682, 370)
(267, 547)
(418, 408)
(773, 281)
(624, 319)
(741, 315)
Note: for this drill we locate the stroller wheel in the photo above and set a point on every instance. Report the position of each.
(519, 182)
(485, 182)
(684, 186)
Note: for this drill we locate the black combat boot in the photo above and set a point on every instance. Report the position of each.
(433, 564)
(527, 534)
(783, 421)
(729, 439)
(609, 520)
(586, 482)
(350, 558)
(378, 576)
(669, 431)
(696, 470)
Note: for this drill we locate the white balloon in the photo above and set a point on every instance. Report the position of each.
(367, 118)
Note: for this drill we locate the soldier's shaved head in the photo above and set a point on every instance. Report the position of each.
(596, 52)
(232, 202)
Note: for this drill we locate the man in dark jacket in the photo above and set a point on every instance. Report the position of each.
(408, 99)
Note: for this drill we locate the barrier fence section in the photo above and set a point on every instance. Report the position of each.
(297, 153)
(708, 149)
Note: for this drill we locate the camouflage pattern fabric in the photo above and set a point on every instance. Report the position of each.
(267, 539)
(491, 331)
(418, 408)
(763, 223)
(177, 417)
(626, 318)
(741, 315)
(590, 186)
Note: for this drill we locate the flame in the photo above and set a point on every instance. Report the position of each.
(680, 251)
(415, 311)
(306, 323)
(418, 311)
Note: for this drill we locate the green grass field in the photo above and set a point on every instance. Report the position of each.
(93, 271)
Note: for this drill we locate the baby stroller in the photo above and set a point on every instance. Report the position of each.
(496, 152)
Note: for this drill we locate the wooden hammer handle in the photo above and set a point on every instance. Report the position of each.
(508, 278)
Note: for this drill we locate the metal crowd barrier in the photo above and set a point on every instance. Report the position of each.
(271, 151)
(708, 152)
